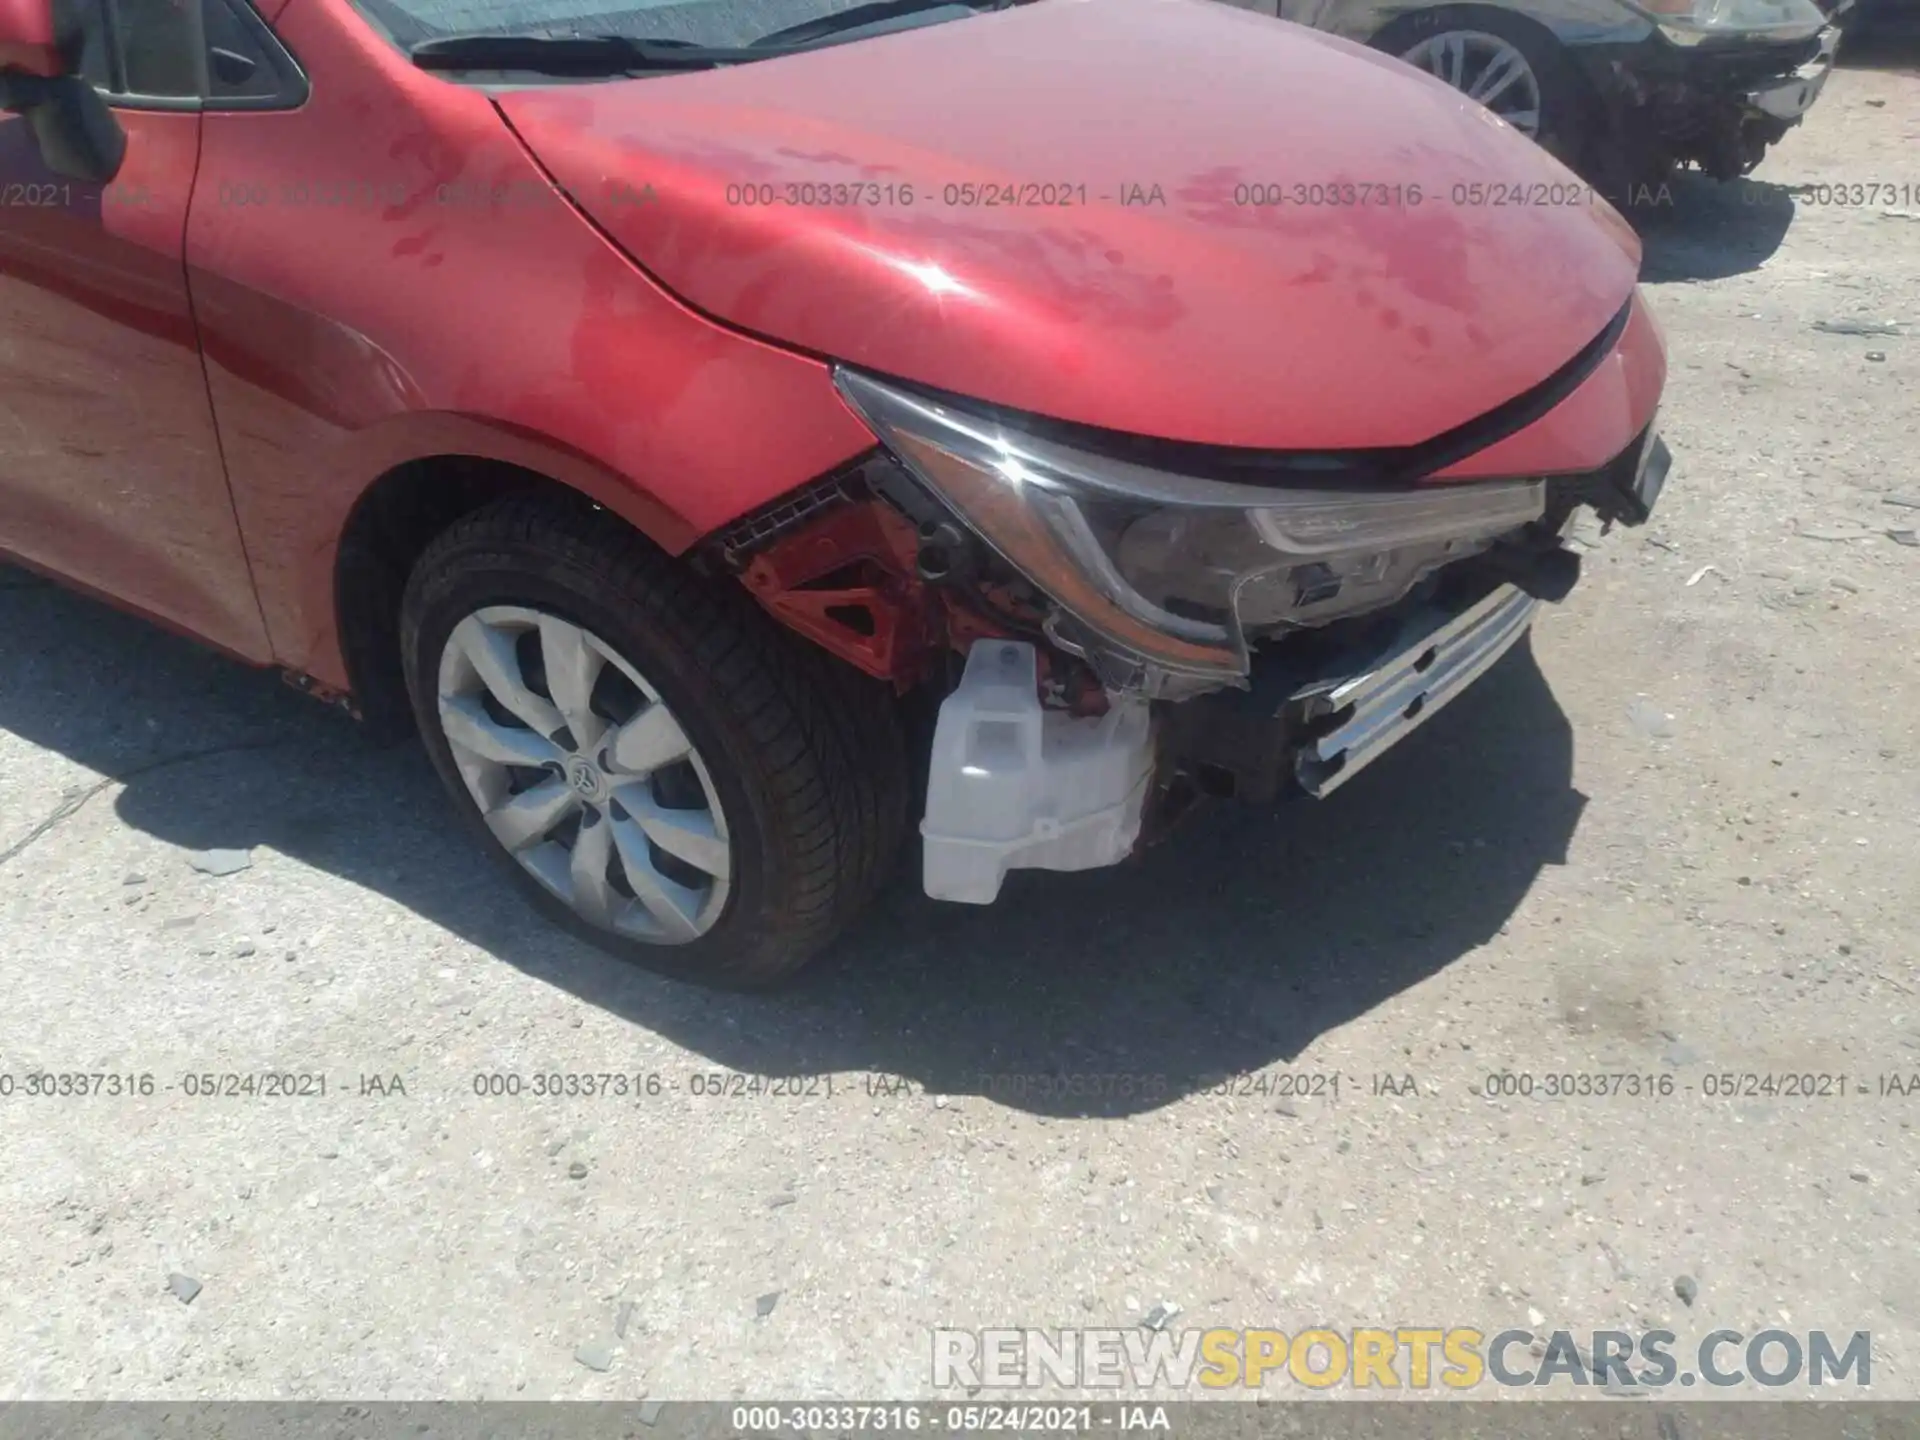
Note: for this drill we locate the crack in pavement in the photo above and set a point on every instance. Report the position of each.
(72, 805)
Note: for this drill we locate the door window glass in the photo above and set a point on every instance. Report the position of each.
(238, 67)
(161, 47)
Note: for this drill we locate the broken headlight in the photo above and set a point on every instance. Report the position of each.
(1162, 580)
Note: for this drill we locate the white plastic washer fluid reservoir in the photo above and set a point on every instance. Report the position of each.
(1017, 786)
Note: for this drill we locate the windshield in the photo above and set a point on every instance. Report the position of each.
(697, 22)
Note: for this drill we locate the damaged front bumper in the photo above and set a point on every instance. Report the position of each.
(1015, 785)
(1715, 105)
(1791, 96)
(1178, 620)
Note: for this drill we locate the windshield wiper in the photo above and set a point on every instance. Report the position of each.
(573, 54)
(628, 54)
(858, 17)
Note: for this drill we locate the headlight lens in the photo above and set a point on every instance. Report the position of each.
(1161, 577)
(1688, 22)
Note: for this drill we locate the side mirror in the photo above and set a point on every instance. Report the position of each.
(78, 135)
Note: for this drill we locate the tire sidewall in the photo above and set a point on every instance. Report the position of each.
(474, 576)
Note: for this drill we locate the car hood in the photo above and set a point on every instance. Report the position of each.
(1166, 217)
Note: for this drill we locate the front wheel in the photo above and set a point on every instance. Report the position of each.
(659, 766)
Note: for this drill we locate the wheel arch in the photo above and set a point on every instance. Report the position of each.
(392, 522)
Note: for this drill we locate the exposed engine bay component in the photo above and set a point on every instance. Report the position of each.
(846, 579)
(869, 565)
(755, 532)
(1014, 785)
(1541, 571)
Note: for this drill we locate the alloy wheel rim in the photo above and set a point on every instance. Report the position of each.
(584, 775)
(1485, 69)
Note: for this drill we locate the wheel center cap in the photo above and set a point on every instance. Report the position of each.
(585, 778)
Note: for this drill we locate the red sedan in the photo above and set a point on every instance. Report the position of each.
(731, 432)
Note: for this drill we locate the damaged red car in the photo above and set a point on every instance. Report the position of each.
(734, 434)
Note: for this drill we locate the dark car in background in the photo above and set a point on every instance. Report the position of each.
(1624, 91)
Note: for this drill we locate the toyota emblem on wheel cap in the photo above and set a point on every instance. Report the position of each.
(583, 777)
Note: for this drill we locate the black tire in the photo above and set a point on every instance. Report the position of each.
(806, 753)
(1565, 107)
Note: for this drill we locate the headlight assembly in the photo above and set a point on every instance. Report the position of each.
(1162, 579)
(1688, 22)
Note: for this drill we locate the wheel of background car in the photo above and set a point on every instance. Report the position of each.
(658, 765)
(1511, 66)
(1485, 68)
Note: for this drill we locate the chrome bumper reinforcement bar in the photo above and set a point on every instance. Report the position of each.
(1435, 662)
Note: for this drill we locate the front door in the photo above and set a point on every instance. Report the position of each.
(110, 468)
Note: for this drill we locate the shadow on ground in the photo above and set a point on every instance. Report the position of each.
(1226, 951)
(1692, 228)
